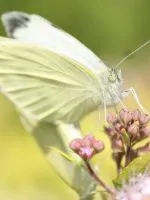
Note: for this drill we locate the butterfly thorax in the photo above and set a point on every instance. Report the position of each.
(111, 87)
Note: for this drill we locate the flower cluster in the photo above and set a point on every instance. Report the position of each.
(86, 147)
(125, 130)
(128, 126)
(138, 188)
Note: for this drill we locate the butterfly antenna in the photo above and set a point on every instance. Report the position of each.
(133, 52)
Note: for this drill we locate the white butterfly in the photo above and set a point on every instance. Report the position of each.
(103, 85)
(35, 29)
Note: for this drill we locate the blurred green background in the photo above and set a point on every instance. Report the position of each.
(112, 29)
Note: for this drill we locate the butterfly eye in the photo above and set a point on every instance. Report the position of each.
(112, 77)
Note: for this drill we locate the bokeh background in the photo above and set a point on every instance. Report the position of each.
(112, 29)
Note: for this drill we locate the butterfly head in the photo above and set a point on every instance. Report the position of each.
(114, 76)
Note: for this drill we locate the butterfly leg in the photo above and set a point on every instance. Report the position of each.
(105, 112)
(105, 108)
(133, 92)
(119, 102)
(122, 104)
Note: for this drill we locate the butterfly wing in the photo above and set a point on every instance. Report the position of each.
(44, 85)
(35, 29)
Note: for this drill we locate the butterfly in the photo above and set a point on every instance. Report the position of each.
(51, 76)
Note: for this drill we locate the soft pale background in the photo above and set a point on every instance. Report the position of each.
(111, 30)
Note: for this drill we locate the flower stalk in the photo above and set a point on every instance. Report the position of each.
(98, 179)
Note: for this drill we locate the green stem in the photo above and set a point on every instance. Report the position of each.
(128, 156)
(101, 182)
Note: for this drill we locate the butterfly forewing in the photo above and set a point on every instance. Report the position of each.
(44, 85)
(37, 30)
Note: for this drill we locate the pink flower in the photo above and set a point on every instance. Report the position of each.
(86, 152)
(138, 188)
(98, 145)
(87, 147)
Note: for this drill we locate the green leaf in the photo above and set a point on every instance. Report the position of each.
(137, 166)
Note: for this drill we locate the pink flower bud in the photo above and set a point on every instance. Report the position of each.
(88, 139)
(75, 144)
(118, 127)
(133, 129)
(111, 118)
(135, 114)
(145, 131)
(125, 116)
(98, 146)
(111, 131)
(121, 113)
(144, 119)
(117, 145)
